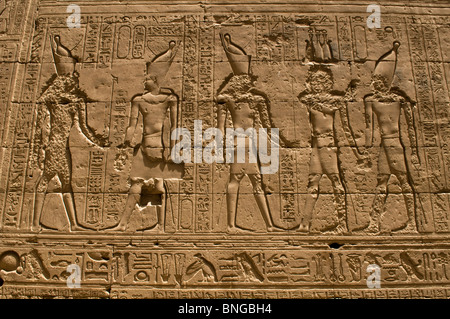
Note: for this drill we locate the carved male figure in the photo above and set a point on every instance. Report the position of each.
(62, 105)
(322, 103)
(386, 103)
(150, 165)
(249, 109)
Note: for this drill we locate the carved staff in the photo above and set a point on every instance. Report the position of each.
(115, 79)
(53, 50)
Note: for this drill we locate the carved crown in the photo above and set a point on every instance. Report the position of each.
(62, 57)
(387, 63)
(238, 59)
(160, 64)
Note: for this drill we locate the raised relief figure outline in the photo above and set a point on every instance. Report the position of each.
(61, 106)
(386, 102)
(150, 166)
(322, 103)
(249, 108)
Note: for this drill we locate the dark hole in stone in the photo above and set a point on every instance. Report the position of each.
(1, 281)
(335, 245)
(156, 244)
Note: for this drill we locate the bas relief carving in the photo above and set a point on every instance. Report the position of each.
(248, 109)
(65, 108)
(151, 164)
(87, 159)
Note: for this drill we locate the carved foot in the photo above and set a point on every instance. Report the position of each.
(303, 228)
(119, 227)
(372, 229)
(158, 229)
(76, 228)
(408, 228)
(340, 229)
(271, 229)
(36, 229)
(238, 230)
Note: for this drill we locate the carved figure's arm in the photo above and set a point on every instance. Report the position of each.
(409, 116)
(221, 113)
(133, 122)
(369, 121)
(348, 131)
(81, 107)
(173, 108)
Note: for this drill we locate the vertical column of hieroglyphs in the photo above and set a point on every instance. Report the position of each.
(8, 49)
(205, 109)
(344, 38)
(106, 56)
(261, 30)
(427, 116)
(105, 59)
(93, 199)
(8, 56)
(441, 105)
(21, 116)
(33, 70)
(358, 189)
(288, 178)
(91, 42)
(98, 53)
(115, 180)
(290, 43)
(105, 51)
(443, 29)
(188, 110)
(275, 28)
(285, 27)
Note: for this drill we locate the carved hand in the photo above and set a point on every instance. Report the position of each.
(101, 141)
(41, 157)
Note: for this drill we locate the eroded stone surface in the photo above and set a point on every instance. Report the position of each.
(89, 184)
